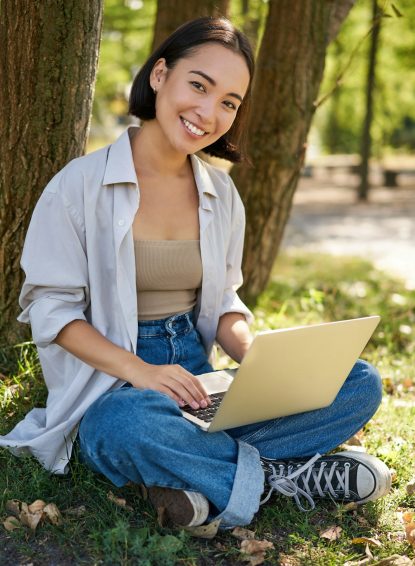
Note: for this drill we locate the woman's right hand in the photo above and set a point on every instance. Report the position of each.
(174, 381)
(85, 342)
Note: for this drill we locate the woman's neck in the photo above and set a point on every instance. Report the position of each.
(162, 160)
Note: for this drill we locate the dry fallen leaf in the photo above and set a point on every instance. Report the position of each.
(76, 511)
(29, 519)
(368, 552)
(31, 515)
(366, 540)
(37, 506)
(11, 523)
(352, 506)
(362, 521)
(356, 440)
(120, 501)
(254, 551)
(13, 506)
(388, 385)
(331, 533)
(52, 513)
(394, 560)
(410, 488)
(361, 562)
(407, 382)
(287, 560)
(204, 531)
(242, 534)
(407, 516)
(410, 533)
(394, 475)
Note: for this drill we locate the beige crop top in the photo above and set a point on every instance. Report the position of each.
(168, 274)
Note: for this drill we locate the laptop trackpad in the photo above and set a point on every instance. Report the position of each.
(217, 381)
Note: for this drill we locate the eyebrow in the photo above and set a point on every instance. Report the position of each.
(213, 83)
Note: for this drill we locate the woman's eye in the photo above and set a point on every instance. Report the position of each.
(198, 86)
(230, 105)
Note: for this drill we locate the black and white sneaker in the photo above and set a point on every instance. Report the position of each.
(342, 477)
(184, 508)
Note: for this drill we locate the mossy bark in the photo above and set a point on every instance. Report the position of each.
(173, 13)
(289, 71)
(48, 60)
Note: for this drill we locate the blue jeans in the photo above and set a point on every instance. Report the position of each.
(141, 435)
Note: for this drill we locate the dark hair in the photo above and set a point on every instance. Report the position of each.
(182, 43)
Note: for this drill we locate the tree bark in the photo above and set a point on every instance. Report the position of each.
(339, 12)
(289, 71)
(366, 140)
(48, 59)
(173, 13)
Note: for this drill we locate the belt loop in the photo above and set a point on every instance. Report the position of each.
(189, 321)
(169, 326)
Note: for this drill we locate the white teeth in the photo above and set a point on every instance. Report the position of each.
(193, 128)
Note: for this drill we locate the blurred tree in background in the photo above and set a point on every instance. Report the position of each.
(173, 13)
(125, 43)
(290, 67)
(339, 121)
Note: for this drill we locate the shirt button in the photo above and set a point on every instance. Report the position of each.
(121, 222)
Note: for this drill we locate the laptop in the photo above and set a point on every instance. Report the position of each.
(284, 372)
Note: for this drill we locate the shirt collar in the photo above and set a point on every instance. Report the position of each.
(203, 180)
(120, 166)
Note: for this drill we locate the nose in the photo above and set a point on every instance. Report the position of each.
(206, 113)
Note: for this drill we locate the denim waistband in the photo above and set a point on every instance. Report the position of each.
(175, 324)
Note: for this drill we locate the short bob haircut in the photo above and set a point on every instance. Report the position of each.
(184, 41)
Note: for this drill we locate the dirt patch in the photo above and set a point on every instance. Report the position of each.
(329, 219)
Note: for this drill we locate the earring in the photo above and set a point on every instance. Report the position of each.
(154, 90)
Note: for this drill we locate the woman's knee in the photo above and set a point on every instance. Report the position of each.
(370, 384)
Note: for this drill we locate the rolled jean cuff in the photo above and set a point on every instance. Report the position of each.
(247, 489)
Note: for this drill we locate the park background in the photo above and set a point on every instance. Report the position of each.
(330, 234)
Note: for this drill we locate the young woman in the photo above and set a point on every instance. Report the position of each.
(132, 259)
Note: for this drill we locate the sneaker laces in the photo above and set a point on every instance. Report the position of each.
(285, 481)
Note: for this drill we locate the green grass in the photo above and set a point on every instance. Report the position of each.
(304, 289)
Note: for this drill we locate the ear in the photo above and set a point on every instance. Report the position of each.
(158, 74)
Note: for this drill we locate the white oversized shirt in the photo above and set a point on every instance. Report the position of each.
(79, 263)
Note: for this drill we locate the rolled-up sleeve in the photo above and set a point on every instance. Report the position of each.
(231, 301)
(56, 289)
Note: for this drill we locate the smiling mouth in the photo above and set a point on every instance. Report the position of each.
(192, 128)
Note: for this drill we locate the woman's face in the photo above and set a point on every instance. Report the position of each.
(198, 99)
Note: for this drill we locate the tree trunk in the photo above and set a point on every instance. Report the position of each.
(339, 13)
(173, 13)
(366, 141)
(48, 60)
(289, 71)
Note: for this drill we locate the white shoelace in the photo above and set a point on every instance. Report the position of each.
(286, 483)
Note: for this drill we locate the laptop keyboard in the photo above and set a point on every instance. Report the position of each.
(207, 414)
